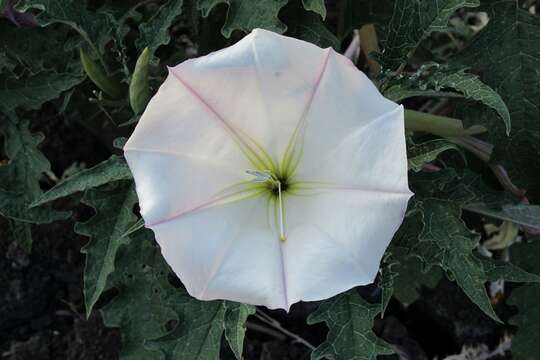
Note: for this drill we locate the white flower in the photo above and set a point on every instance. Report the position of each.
(271, 172)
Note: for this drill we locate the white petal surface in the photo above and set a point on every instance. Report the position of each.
(226, 252)
(336, 239)
(180, 154)
(353, 135)
(269, 78)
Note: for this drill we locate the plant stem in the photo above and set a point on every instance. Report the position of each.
(276, 325)
(439, 125)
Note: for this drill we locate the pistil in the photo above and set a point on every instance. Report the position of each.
(281, 219)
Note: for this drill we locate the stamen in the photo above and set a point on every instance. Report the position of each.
(268, 176)
(260, 176)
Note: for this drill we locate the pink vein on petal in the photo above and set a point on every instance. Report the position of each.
(299, 127)
(202, 100)
(316, 86)
(237, 134)
(192, 210)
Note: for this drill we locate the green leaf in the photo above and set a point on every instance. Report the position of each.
(35, 49)
(113, 169)
(200, 327)
(246, 15)
(409, 273)
(19, 179)
(198, 333)
(96, 72)
(413, 21)
(413, 276)
(350, 322)
(155, 32)
(436, 80)
(22, 234)
(421, 154)
(445, 241)
(92, 26)
(235, 325)
(307, 26)
(114, 216)
(506, 54)
(6, 64)
(473, 88)
(360, 12)
(398, 93)
(522, 214)
(14, 205)
(315, 6)
(32, 91)
(160, 321)
(141, 309)
(498, 269)
(139, 86)
(404, 275)
(386, 280)
(525, 344)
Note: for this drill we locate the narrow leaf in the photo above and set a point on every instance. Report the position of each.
(113, 169)
(522, 214)
(235, 325)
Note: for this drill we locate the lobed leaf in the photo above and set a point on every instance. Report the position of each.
(350, 321)
(141, 309)
(441, 82)
(246, 15)
(155, 32)
(308, 26)
(19, 179)
(113, 169)
(413, 21)
(161, 321)
(114, 216)
(32, 91)
(92, 26)
(421, 154)
(317, 6)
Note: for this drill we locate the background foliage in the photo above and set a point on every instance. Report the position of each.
(471, 68)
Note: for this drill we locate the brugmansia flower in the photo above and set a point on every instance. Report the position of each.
(272, 171)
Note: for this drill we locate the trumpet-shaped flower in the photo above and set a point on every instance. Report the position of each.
(272, 171)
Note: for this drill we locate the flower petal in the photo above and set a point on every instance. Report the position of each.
(353, 135)
(180, 155)
(336, 239)
(226, 252)
(269, 78)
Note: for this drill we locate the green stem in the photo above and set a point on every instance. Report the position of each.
(439, 125)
